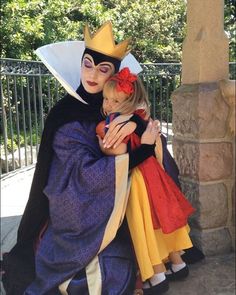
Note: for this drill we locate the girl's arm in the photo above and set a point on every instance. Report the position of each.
(123, 126)
(144, 151)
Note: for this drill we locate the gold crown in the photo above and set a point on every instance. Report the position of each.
(103, 41)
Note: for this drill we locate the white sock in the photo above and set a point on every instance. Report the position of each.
(176, 267)
(155, 279)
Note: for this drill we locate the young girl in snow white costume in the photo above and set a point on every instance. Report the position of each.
(157, 211)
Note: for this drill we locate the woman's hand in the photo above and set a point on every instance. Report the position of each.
(119, 128)
(119, 150)
(152, 131)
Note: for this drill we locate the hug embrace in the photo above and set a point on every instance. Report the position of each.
(105, 212)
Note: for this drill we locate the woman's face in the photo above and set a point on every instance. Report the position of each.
(93, 77)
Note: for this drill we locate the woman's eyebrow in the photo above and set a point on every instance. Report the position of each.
(105, 64)
(86, 57)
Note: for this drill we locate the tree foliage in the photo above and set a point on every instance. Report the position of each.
(157, 28)
(230, 26)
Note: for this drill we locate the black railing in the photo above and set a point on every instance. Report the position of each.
(161, 79)
(28, 91)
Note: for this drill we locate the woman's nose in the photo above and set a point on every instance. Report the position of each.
(93, 74)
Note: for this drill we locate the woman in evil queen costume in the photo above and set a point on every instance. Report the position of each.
(72, 238)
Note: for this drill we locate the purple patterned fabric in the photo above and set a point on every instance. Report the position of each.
(81, 191)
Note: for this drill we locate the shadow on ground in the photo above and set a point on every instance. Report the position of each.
(215, 275)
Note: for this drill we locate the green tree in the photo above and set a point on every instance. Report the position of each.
(230, 27)
(157, 28)
(27, 25)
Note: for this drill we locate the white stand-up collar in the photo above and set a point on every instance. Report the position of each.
(63, 60)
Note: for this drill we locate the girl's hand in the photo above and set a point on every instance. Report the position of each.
(152, 131)
(119, 128)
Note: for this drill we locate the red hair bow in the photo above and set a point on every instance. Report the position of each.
(124, 80)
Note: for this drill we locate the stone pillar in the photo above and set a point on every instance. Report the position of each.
(205, 48)
(203, 140)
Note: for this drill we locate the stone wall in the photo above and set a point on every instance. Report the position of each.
(203, 147)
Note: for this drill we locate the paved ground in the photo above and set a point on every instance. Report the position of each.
(213, 276)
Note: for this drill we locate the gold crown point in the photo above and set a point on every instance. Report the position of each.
(104, 35)
(86, 32)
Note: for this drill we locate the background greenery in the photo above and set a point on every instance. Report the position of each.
(157, 28)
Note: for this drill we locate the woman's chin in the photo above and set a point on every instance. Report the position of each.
(92, 89)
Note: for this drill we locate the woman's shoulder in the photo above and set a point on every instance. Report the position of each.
(76, 127)
(69, 127)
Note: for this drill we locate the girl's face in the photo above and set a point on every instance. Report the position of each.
(93, 77)
(113, 101)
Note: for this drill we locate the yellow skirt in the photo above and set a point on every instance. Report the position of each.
(151, 246)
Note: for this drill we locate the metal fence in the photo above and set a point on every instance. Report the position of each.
(161, 79)
(28, 91)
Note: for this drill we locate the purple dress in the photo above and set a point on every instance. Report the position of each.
(82, 189)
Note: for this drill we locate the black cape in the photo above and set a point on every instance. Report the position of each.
(19, 263)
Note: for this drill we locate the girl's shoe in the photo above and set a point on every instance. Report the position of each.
(157, 289)
(192, 255)
(178, 275)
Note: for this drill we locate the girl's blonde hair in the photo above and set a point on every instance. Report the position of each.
(136, 100)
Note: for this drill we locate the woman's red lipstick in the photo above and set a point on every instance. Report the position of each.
(90, 83)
